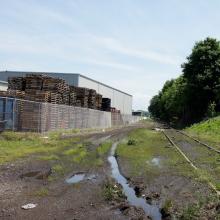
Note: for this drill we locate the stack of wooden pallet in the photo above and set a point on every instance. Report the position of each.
(37, 95)
(92, 99)
(43, 88)
(72, 95)
(16, 94)
(16, 83)
(56, 98)
(78, 103)
(82, 95)
(55, 85)
(98, 101)
(34, 81)
(59, 90)
(106, 104)
(13, 94)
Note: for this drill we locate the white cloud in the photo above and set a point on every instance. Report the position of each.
(22, 44)
(117, 46)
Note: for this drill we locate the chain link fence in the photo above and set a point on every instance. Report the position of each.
(24, 115)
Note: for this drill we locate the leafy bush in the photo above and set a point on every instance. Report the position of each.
(131, 142)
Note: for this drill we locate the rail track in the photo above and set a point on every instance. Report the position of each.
(199, 155)
(198, 141)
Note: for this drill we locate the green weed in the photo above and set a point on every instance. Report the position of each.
(58, 169)
(112, 192)
(104, 148)
(149, 145)
(41, 192)
(49, 157)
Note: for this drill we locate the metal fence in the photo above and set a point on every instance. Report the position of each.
(24, 115)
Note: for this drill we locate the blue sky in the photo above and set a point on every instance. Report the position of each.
(133, 45)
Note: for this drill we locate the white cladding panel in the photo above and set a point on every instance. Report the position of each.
(119, 100)
(3, 86)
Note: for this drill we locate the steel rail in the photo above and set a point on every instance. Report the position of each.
(198, 141)
(212, 186)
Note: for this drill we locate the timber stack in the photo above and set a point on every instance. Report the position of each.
(92, 99)
(43, 88)
(99, 101)
(72, 96)
(16, 83)
(106, 104)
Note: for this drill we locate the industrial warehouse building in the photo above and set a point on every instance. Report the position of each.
(119, 99)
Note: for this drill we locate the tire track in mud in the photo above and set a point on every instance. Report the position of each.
(195, 153)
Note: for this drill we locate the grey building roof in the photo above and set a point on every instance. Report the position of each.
(57, 74)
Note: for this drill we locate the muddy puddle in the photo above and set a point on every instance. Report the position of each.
(79, 177)
(37, 174)
(151, 210)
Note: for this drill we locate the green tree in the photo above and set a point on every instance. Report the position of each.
(202, 72)
(196, 93)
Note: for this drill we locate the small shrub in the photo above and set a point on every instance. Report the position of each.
(112, 192)
(131, 142)
(108, 192)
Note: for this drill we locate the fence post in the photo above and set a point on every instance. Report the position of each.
(13, 113)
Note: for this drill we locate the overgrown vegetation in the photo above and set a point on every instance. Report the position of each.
(150, 153)
(112, 192)
(104, 148)
(207, 131)
(196, 93)
(207, 207)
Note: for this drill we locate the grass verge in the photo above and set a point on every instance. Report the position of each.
(208, 131)
(147, 152)
(14, 145)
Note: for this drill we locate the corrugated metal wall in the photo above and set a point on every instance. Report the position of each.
(119, 100)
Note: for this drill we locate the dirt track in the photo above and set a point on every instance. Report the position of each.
(85, 200)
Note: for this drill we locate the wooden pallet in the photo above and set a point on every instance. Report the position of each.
(106, 104)
(34, 81)
(98, 101)
(55, 85)
(37, 95)
(16, 83)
